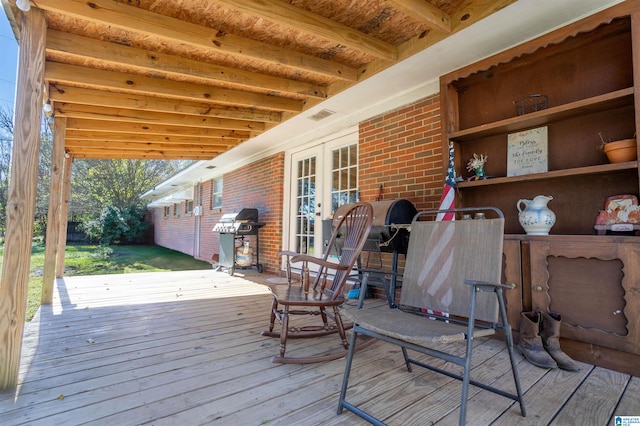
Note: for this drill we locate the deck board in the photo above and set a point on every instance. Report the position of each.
(185, 348)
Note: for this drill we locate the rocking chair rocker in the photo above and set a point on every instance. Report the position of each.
(327, 290)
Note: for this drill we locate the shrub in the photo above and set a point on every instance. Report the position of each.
(117, 226)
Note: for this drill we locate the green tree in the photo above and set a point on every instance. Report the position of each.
(6, 139)
(44, 174)
(117, 183)
(44, 179)
(95, 184)
(106, 196)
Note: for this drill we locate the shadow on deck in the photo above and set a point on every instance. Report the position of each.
(185, 348)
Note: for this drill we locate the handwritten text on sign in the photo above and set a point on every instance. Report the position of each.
(527, 152)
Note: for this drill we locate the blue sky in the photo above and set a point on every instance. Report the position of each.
(8, 64)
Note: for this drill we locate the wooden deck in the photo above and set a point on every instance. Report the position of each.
(185, 348)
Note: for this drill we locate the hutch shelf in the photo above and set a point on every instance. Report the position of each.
(591, 78)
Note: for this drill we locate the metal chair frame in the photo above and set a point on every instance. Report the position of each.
(474, 328)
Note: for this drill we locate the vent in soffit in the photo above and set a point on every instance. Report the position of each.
(321, 115)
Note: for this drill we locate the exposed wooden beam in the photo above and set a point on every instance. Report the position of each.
(137, 20)
(139, 153)
(472, 13)
(144, 117)
(299, 19)
(81, 48)
(79, 144)
(152, 129)
(425, 12)
(476, 11)
(53, 214)
(90, 135)
(80, 95)
(469, 15)
(135, 155)
(21, 200)
(132, 83)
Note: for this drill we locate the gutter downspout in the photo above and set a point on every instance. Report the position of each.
(198, 221)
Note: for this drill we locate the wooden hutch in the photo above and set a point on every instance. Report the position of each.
(590, 73)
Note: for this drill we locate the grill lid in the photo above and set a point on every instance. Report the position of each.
(385, 213)
(383, 235)
(244, 215)
(392, 212)
(243, 221)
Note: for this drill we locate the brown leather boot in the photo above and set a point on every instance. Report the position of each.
(550, 333)
(530, 343)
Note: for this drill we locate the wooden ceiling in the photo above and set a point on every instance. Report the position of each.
(191, 79)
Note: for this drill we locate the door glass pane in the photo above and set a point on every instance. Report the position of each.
(344, 170)
(306, 203)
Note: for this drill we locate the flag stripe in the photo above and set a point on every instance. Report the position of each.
(447, 202)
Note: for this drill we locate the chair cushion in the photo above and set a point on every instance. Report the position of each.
(294, 295)
(409, 327)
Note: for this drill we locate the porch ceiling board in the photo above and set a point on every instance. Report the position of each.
(202, 71)
(88, 135)
(78, 95)
(109, 154)
(136, 116)
(153, 129)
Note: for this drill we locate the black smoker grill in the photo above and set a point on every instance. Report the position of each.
(389, 234)
(233, 227)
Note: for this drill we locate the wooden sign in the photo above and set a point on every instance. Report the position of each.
(527, 152)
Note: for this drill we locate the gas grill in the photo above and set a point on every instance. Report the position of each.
(233, 228)
(389, 234)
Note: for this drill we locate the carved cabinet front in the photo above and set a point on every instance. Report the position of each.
(594, 282)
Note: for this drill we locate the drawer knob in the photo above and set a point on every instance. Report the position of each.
(537, 288)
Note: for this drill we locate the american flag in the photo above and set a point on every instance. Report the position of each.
(447, 201)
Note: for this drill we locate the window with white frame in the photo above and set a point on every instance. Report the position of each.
(216, 194)
(344, 176)
(188, 207)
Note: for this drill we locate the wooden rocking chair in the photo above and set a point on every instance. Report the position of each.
(327, 290)
(452, 267)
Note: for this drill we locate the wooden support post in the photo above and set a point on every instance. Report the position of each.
(64, 216)
(55, 205)
(22, 194)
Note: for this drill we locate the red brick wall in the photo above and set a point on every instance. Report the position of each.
(401, 150)
(259, 185)
(175, 232)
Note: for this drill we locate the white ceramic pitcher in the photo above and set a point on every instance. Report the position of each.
(536, 218)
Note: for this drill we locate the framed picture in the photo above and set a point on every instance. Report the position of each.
(527, 152)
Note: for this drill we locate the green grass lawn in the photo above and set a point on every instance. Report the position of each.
(96, 260)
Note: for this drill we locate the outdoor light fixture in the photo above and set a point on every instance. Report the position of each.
(23, 5)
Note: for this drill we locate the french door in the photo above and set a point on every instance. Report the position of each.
(323, 178)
